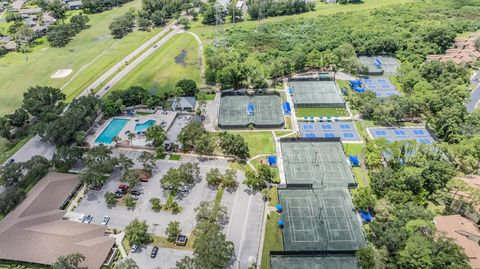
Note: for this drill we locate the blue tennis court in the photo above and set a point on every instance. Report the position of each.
(381, 86)
(419, 134)
(345, 130)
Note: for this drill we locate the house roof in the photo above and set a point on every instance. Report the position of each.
(35, 231)
(17, 5)
(184, 102)
(465, 234)
(30, 10)
(462, 53)
(10, 45)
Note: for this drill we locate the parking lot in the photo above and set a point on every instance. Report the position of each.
(94, 202)
(245, 211)
(166, 257)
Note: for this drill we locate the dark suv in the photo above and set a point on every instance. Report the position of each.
(154, 252)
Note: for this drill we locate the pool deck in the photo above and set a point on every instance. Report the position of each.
(165, 117)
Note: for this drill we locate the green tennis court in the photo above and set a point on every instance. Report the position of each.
(322, 164)
(316, 93)
(319, 220)
(238, 111)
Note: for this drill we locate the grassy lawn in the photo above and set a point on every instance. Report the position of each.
(175, 157)
(161, 241)
(273, 239)
(175, 60)
(206, 96)
(93, 49)
(206, 32)
(360, 173)
(273, 197)
(259, 142)
(256, 163)
(321, 112)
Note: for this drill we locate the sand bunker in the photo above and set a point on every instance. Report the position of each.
(62, 73)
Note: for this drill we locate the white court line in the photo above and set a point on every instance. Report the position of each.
(294, 230)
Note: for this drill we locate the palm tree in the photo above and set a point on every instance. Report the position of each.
(116, 140)
(131, 136)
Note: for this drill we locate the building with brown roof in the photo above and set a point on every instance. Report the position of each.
(465, 234)
(36, 232)
(463, 52)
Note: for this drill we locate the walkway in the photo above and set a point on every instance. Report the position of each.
(475, 94)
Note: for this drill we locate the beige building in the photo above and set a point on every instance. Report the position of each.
(464, 232)
(36, 232)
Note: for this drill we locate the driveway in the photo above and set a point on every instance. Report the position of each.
(166, 257)
(245, 226)
(211, 114)
(94, 202)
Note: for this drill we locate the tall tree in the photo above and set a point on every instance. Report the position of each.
(137, 232)
(71, 261)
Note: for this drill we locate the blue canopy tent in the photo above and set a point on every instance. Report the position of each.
(250, 108)
(272, 160)
(354, 160)
(281, 223)
(366, 216)
(358, 89)
(279, 208)
(355, 83)
(286, 108)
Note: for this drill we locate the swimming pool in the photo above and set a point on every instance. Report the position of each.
(140, 127)
(112, 130)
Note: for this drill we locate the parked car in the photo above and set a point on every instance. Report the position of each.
(154, 252)
(81, 218)
(88, 219)
(135, 192)
(122, 191)
(184, 189)
(123, 186)
(143, 178)
(105, 220)
(134, 248)
(118, 194)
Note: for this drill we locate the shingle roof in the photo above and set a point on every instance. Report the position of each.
(457, 228)
(35, 231)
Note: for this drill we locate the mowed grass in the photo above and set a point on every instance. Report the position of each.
(273, 239)
(177, 59)
(206, 32)
(321, 112)
(360, 173)
(259, 142)
(93, 49)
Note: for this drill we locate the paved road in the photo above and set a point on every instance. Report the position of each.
(136, 62)
(127, 59)
(245, 226)
(474, 99)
